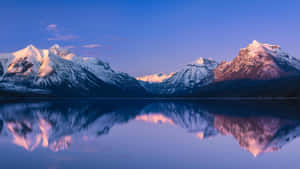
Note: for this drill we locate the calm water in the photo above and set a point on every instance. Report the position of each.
(120, 134)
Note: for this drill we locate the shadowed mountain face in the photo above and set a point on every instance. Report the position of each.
(265, 127)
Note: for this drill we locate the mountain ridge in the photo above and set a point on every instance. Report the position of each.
(59, 72)
(256, 66)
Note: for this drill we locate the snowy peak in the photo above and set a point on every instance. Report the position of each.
(256, 45)
(256, 49)
(200, 61)
(264, 51)
(27, 61)
(259, 61)
(90, 63)
(62, 52)
(31, 47)
(204, 62)
(30, 52)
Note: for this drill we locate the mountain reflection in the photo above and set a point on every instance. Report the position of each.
(258, 127)
(257, 135)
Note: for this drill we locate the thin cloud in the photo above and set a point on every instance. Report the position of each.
(52, 27)
(59, 37)
(92, 46)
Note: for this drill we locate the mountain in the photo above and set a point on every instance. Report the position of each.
(260, 70)
(258, 62)
(193, 75)
(256, 66)
(59, 72)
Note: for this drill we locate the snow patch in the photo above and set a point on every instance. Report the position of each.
(155, 78)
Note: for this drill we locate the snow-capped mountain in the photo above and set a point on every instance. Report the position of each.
(155, 78)
(193, 75)
(58, 70)
(258, 62)
(103, 71)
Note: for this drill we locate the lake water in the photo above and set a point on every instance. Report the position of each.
(145, 134)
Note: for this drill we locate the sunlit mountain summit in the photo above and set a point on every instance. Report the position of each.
(259, 61)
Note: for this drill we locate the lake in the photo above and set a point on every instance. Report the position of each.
(144, 134)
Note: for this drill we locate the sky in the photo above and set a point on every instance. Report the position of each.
(142, 37)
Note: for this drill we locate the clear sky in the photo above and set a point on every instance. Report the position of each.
(150, 36)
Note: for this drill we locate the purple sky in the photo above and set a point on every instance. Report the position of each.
(143, 37)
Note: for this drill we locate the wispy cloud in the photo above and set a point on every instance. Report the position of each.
(60, 37)
(52, 27)
(57, 35)
(92, 46)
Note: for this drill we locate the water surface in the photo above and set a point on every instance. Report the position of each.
(97, 133)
